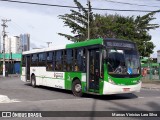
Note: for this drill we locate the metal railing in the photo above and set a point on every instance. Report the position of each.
(151, 71)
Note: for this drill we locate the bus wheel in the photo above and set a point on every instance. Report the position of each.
(33, 81)
(77, 88)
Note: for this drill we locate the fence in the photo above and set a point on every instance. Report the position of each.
(151, 71)
(11, 68)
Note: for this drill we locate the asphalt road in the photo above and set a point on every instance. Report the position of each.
(25, 98)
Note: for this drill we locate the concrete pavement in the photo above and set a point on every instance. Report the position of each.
(151, 84)
(10, 75)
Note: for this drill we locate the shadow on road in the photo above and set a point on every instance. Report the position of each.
(98, 97)
(112, 97)
(52, 89)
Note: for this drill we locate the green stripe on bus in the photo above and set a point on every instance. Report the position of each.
(126, 81)
(49, 77)
(85, 43)
(69, 77)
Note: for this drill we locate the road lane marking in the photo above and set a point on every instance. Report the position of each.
(5, 99)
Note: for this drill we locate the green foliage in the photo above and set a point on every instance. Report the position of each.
(78, 22)
(110, 26)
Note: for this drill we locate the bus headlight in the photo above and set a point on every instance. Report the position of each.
(111, 81)
(139, 81)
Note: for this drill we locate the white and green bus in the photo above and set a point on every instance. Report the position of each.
(97, 66)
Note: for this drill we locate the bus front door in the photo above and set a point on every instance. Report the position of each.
(94, 70)
(28, 68)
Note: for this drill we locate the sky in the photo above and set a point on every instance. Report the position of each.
(43, 24)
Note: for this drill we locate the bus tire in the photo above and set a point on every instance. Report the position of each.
(33, 81)
(77, 88)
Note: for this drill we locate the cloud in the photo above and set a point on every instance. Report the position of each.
(42, 46)
(42, 23)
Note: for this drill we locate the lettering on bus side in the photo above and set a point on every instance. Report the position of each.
(58, 75)
(120, 44)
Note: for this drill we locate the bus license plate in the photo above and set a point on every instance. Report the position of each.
(126, 89)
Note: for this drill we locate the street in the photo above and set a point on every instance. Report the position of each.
(25, 98)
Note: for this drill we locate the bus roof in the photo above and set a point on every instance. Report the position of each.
(73, 45)
(85, 43)
(44, 49)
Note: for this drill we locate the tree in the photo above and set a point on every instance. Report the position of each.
(142, 26)
(129, 28)
(110, 26)
(78, 22)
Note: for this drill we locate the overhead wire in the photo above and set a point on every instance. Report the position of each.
(14, 26)
(127, 3)
(73, 7)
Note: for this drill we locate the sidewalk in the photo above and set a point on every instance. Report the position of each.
(11, 75)
(151, 84)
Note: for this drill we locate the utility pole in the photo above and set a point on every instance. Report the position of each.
(48, 43)
(0, 45)
(4, 35)
(88, 20)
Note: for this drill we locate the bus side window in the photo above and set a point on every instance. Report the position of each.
(84, 60)
(42, 59)
(54, 62)
(64, 61)
(80, 59)
(23, 61)
(69, 60)
(34, 60)
(49, 66)
(58, 61)
(76, 60)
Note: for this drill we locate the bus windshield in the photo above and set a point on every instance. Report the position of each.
(123, 62)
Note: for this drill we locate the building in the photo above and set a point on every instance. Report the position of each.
(13, 45)
(25, 42)
(13, 50)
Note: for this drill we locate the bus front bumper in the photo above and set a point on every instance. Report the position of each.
(109, 88)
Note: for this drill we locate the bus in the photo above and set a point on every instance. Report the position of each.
(96, 66)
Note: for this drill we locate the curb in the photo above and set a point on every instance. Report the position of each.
(151, 88)
(9, 76)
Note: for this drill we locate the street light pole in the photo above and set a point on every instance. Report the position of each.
(88, 20)
(48, 43)
(4, 35)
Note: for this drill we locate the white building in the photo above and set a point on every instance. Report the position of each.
(13, 44)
